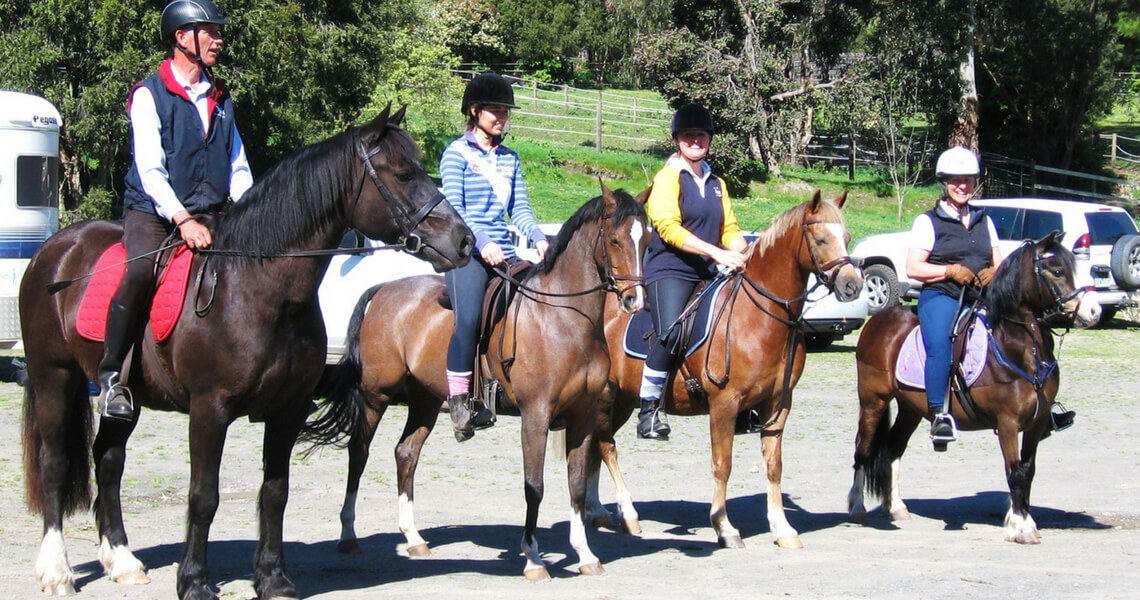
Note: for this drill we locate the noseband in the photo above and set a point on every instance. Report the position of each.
(407, 222)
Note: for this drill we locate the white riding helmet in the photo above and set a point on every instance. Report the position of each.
(958, 160)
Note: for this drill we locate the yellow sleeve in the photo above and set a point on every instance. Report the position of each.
(664, 208)
(731, 229)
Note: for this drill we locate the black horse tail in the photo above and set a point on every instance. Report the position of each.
(877, 464)
(339, 414)
(77, 424)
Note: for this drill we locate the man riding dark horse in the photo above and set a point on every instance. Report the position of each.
(187, 159)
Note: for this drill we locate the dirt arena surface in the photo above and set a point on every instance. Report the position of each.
(470, 508)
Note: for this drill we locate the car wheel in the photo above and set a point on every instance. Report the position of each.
(1126, 262)
(882, 287)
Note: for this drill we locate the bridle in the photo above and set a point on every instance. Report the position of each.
(407, 222)
(1043, 282)
(828, 272)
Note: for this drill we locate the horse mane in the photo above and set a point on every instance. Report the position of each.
(589, 212)
(793, 217)
(1003, 294)
(300, 194)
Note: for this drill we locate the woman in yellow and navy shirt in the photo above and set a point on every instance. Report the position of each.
(695, 230)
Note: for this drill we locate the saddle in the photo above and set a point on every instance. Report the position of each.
(166, 304)
(970, 353)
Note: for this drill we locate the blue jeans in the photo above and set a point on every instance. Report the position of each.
(466, 286)
(936, 314)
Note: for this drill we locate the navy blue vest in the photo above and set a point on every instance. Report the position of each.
(199, 167)
(701, 216)
(954, 244)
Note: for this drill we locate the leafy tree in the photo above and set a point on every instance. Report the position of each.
(763, 67)
(298, 70)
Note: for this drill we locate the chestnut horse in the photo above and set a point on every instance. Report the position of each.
(548, 352)
(1031, 289)
(752, 359)
(251, 342)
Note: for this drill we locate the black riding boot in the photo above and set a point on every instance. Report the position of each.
(114, 398)
(462, 420)
(1060, 419)
(650, 422)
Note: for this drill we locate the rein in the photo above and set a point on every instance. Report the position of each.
(826, 274)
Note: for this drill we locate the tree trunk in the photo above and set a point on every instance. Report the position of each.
(965, 132)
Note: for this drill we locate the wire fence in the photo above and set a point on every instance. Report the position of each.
(605, 119)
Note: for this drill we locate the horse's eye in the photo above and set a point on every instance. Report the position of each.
(616, 243)
(406, 176)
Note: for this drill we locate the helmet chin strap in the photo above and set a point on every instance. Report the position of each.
(196, 55)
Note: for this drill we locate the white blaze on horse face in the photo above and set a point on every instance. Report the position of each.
(636, 233)
(1088, 312)
(838, 232)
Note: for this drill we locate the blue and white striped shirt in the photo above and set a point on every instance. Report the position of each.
(485, 187)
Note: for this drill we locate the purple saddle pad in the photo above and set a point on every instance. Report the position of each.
(912, 357)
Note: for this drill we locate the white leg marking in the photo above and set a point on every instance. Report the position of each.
(408, 522)
(855, 507)
(348, 517)
(120, 564)
(52, 568)
(578, 541)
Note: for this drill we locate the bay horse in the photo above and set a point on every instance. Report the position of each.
(548, 353)
(251, 342)
(753, 358)
(1032, 288)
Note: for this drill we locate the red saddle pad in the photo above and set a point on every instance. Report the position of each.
(165, 309)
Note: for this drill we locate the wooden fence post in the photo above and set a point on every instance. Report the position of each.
(565, 99)
(534, 93)
(635, 110)
(1112, 161)
(851, 161)
(598, 125)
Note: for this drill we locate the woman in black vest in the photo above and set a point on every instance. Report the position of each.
(187, 159)
(953, 245)
(694, 232)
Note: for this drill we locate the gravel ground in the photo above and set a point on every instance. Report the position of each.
(471, 508)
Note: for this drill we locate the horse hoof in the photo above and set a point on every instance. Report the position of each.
(132, 578)
(1026, 537)
(348, 546)
(603, 522)
(59, 589)
(537, 574)
(731, 541)
(592, 569)
(418, 551)
(791, 542)
(632, 526)
(463, 436)
(900, 515)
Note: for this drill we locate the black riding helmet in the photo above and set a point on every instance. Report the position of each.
(488, 88)
(181, 13)
(692, 117)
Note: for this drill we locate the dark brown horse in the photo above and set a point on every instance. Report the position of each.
(251, 342)
(1014, 393)
(548, 352)
(752, 359)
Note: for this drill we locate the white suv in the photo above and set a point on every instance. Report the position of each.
(1103, 238)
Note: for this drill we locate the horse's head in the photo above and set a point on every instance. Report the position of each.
(824, 251)
(624, 237)
(397, 200)
(1038, 276)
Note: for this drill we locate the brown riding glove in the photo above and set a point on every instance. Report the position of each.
(984, 277)
(960, 274)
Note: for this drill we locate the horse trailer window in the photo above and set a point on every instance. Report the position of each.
(1107, 227)
(1006, 220)
(37, 181)
(1039, 223)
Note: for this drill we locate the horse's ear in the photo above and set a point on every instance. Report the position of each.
(643, 197)
(374, 129)
(815, 200)
(611, 201)
(1054, 236)
(841, 199)
(398, 118)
